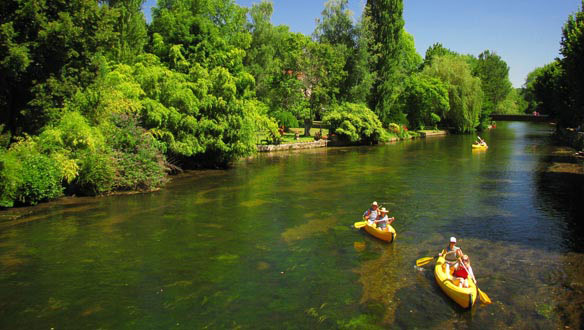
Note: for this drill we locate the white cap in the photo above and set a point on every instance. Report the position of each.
(452, 239)
(374, 203)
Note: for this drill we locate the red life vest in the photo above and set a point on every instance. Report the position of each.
(460, 272)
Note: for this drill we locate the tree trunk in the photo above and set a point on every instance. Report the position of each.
(307, 126)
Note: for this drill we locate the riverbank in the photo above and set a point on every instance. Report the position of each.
(333, 143)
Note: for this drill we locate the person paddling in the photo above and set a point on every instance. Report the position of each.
(371, 214)
(451, 254)
(462, 271)
(480, 141)
(383, 221)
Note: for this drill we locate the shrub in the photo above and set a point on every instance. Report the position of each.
(40, 179)
(28, 177)
(136, 156)
(9, 179)
(355, 124)
(96, 173)
(4, 137)
(285, 118)
(400, 131)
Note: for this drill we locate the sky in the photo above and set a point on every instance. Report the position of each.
(525, 33)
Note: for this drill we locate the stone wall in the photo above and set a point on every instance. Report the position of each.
(292, 146)
(433, 133)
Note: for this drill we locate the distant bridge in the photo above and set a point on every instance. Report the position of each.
(540, 118)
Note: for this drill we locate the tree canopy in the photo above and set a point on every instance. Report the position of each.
(94, 99)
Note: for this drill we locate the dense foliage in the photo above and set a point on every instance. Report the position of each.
(464, 91)
(94, 100)
(557, 89)
(494, 74)
(355, 123)
(385, 17)
(572, 63)
(425, 100)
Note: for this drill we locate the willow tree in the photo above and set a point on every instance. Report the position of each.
(424, 100)
(464, 91)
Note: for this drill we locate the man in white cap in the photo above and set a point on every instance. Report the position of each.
(371, 214)
(451, 254)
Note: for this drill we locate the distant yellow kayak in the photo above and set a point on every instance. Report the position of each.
(465, 297)
(387, 236)
(479, 146)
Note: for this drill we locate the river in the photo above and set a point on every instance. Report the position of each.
(269, 244)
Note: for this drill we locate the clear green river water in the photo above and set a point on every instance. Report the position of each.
(269, 243)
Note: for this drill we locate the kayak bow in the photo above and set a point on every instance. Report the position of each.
(387, 236)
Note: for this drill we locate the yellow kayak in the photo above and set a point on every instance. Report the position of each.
(465, 297)
(387, 236)
(479, 146)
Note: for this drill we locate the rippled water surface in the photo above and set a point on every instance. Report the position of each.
(269, 243)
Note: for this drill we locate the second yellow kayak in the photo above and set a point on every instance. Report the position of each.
(465, 297)
(479, 146)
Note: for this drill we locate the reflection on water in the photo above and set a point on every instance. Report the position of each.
(270, 243)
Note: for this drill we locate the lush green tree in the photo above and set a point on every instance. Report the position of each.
(211, 33)
(130, 27)
(355, 124)
(514, 103)
(410, 60)
(464, 91)
(424, 101)
(336, 25)
(528, 91)
(547, 87)
(47, 51)
(287, 91)
(360, 74)
(494, 74)
(436, 50)
(336, 28)
(276, 59)
(201, 113)
(322, 74)
(387, 25)
(261, 60)
(572, 62)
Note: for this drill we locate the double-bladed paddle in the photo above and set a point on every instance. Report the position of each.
(482, 295)
(360, 224)
(424, 261)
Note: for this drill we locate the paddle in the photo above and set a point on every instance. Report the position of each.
(482, 296)
(423, 261)
(360, 224)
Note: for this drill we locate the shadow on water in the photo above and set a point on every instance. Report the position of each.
(561, 195)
